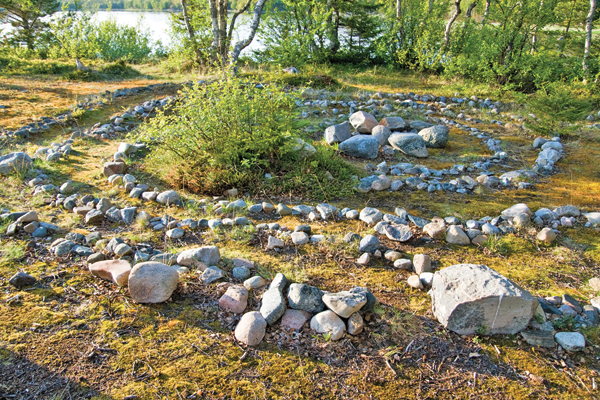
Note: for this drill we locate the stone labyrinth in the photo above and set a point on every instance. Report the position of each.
(466, 298)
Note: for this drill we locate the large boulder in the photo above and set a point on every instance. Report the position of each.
(435, 137)
(394, 123)
(305, 297)
(363, 146)
(152, 282)
(251, 328)
(471, 298)
(382, 133)
(14, 162)
(363, 122)
(410, 144)
(338, 133)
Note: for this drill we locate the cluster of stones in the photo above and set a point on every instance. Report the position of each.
(28, 222)
(295, 304)
(474, 299)
(45, 123)
(55, 152)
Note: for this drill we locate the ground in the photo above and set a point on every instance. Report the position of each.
(75, 336)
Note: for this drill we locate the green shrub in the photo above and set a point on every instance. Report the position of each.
(119, 69)
(558, 108)
(230, 133)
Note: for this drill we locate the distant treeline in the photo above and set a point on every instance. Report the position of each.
(155, 5)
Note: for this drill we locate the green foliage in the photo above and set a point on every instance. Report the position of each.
(557, 108)
(117, 42)
(12, 63)
(27, 16)
(229, 133)
(565, 322)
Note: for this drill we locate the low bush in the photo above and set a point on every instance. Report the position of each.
(230, 133)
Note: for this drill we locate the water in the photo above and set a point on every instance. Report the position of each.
(157, 25)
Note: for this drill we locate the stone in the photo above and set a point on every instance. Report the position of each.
(404, 264)
(30, 216)
(591, 314)
(567, 211)
(122, 249)
(116, 271)
(280, 282)
(93, 217)
(326, 210)
(338, 133)
(273, 305)
(152, 282)
(256, 282)
(394, 123)
(21, 280)
(175, 233)
(570, 341)
(200, 257)
(595, 284)
(305, 297)
(593, 218)
(241, 273)
(421, 263)
(426, 278)
(363, 122)
(364, 259)
(128, 215)
(479, 240)
(371, 300)
(344, 303)
(414, 281)
(356, 324)
(283, 210)
(470, 297)
(455, 235)
(546, 235)
(15, 162)
(410, 144)
(168, 198)
(351, 237)
(273, 243)
(368, 244)
(212, 274)
(399, 233)
(435, 231)
(113, 168)
(370, 215)
(382, 133)
(571, 302)
(516, 210)
(539, 338)
(328, 322)
(251, 329)
(435, 137)
(362, 146)
(242, 262)
(235, 299)
(295, 319)
(392, 255)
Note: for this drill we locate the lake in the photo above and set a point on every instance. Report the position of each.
(157, 23)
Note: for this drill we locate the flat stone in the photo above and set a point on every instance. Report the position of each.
(175, 233)
(274, 243)
(168, 197)
(516, 210)
(368, 244)
(344, 303)
(93, 217)
(570, 341)
(256, 282)
(468, 297)
(399, 233)
(328, 322)
(152, 282)
(21, 280)
(338, 133)
(370, 215)
(200, 257)
(410, 144)
(251, 328)
(539, 338)
(394, 123)
(116, 271)
(404, 264)
(363, 146)
(212, 274)
(570, 301)
(295, 319)
(235, 299)
(300, 238)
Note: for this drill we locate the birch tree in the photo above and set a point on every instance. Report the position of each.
(589, 25)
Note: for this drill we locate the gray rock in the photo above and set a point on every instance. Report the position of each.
(273, 305)
(370, 215)
(283, 210)
(251, 328)
(328, 322)
(152, 282)
(399, 233)
(363, 146)
(280, 282)
(455, 235)
(435, 137)
(539, 338)
(363, 122)
(305, 297)
(368, 244)
(94, 217)
(371, 300)
(21, 280)
(326, 210)
(128, 215)
(345, 303)
(470, 297)
(421, 263)
(570, 341)
(394, 123)
(14, 162)
(241, 273)
(382, 133)
(409, 143)
(175, 233)
(300, 238)
(212, 274)
(123, 249)
(169, 197)
(199, 257)
(338, 133)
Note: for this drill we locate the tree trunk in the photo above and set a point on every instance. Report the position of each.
(191, 33)
(589, 25)
(214, 19)
(334, 23)
(471, 8)
(223, 45)
(242, 44)
(233, 19)
(535, 31)
(486, 13)
(398, 7)
(569, 22)
(430, 9)
(450, 22)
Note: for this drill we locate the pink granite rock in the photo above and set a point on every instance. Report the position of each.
(235, 299)
(112, 270)
(295, 319)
